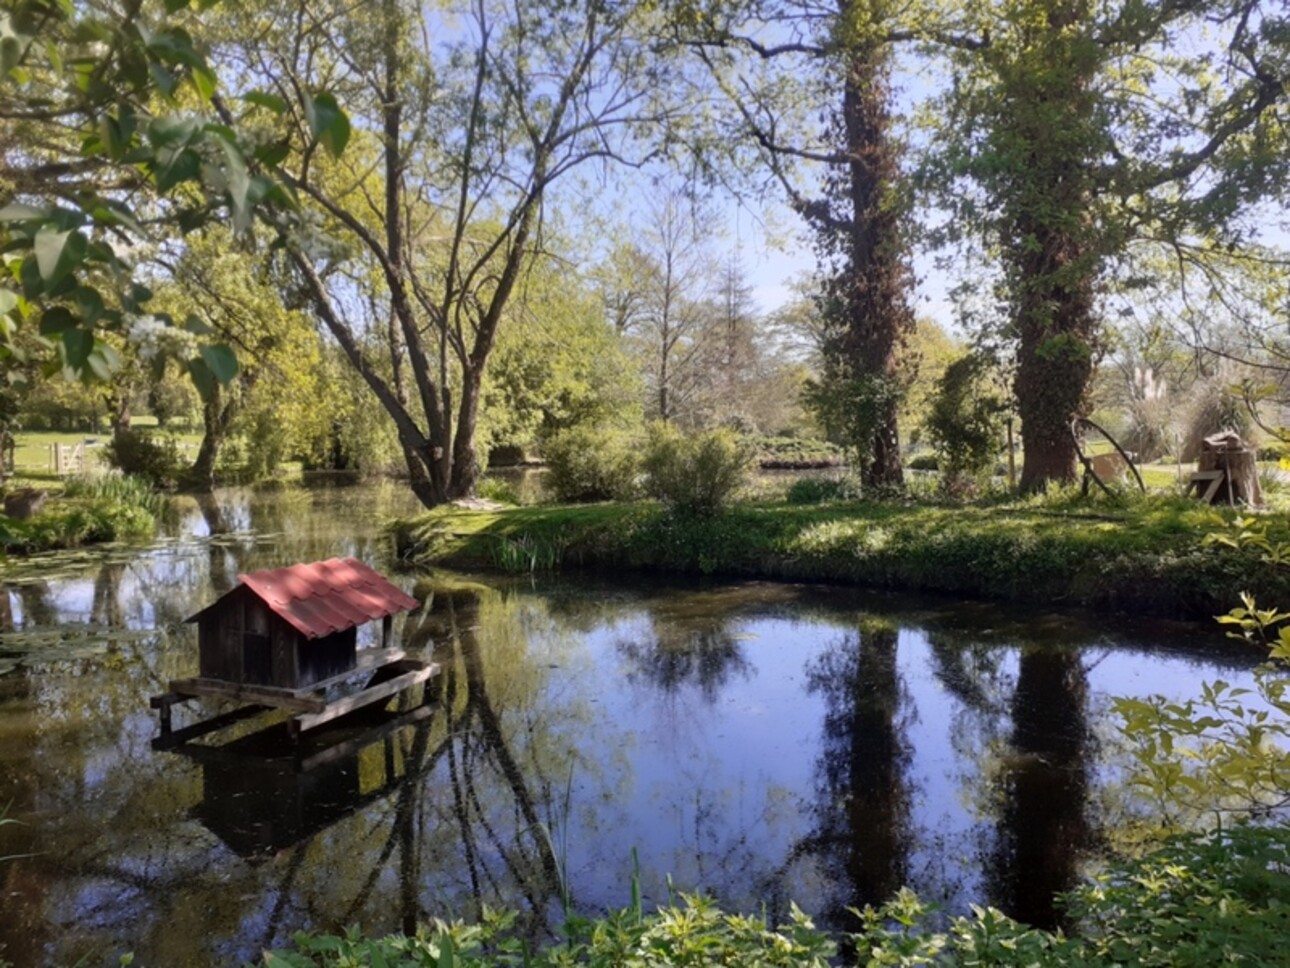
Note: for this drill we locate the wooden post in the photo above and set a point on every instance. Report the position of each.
(387, 626)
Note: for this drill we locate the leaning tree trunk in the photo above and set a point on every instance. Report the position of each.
(877, 284)
(218, 410)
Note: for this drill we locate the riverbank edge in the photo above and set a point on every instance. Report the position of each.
(1146, 559)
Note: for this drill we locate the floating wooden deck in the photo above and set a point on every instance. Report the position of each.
(390, 673)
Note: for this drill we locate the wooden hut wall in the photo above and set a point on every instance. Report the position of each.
(219, 638)
(326, 657)
(240, 639)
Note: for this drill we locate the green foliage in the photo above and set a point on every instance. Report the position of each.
(76, 522)
(140, 454)
(965, 419)
(117, 91)
(589, 463)
(62, 405)
(1143, 556)
(125, 489)
(496, 489)
(1229, 750)
(794, 453)
(924, 462)
(527, 553)
(852, 409)
(696, 473)
(1196, 901)
(818, 490)
(1199, 900)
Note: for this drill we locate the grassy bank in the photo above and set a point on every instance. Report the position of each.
(1146, 555)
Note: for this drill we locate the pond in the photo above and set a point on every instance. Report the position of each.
(765, 743)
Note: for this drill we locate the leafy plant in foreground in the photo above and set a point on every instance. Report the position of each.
(1229, 750)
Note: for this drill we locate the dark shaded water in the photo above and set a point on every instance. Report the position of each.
(767, 743)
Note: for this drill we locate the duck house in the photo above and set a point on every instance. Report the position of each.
(285, 635)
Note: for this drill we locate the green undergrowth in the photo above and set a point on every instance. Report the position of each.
(1143, 555)
(1198, 900)
(89, 510)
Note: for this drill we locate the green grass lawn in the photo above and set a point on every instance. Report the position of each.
(33, 457)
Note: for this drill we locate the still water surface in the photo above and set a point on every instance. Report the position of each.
(765, 743)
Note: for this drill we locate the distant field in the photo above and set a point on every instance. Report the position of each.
(33, 454)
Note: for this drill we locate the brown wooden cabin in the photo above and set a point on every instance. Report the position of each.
(293, 627)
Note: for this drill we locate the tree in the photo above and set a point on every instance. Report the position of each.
(667, 311)
(1085, 133)
(437, 207)
(277, 400)
(109, 140)
(842, 57)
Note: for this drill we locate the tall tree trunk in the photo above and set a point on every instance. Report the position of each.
(1051, 253)
(877, 275)
(218, 410)
(1056, 328)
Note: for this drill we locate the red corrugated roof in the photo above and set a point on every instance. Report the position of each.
(327, 596)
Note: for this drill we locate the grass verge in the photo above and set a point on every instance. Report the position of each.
(1142, 555)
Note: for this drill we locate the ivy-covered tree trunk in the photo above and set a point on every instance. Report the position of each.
(1051, 253)
(876, 277)
(1057, 329)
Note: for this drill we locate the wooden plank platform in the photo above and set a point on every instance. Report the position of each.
(410, 672)
(306, 700)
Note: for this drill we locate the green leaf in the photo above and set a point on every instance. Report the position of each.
(197, 326)
(57, 321)
(8, 302)
(19, 212)
(58, 253)
(272, 155)
(204, 82)
(78, 344)
(221, 361)
(328, 123)
(103, 361)
(264, 99)
(177, 167)
(202, 378)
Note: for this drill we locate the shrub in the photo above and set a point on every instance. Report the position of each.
(592, 464)
(924, 462)
(965, 422)
(154, 459)
(817, 490)
(695, 474)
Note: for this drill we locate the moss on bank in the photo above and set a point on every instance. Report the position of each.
(1146, 556)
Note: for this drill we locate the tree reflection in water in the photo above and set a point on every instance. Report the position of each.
(861, 838)
(685, 648)
(1043, 824)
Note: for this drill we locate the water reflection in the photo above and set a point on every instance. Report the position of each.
(862, 829)
(766, 743)
(684, 647)
(1043, 825)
